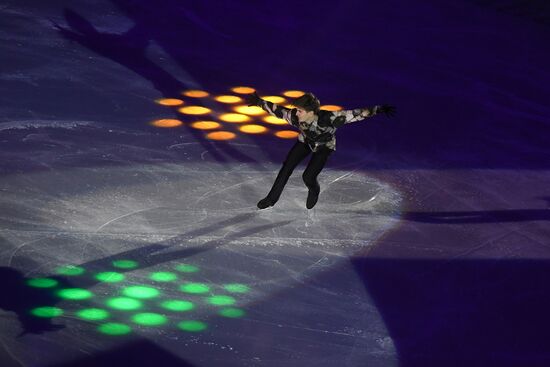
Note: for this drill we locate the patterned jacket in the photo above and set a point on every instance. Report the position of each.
(321, 131)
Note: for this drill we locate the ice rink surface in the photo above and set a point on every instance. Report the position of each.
(126, 243)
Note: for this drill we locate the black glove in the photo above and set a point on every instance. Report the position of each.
(386, 109)
(253, 99)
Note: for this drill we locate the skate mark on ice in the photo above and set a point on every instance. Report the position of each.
(125, 215)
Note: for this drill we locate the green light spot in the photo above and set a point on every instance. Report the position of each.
(42, 282)
(177, 305)
(232, 312)
(74, 293)
(110, 277)
(93, 314)
(125, 264)
(139, 291)
(221, 300)
(124, 304)
(195, 288)
(163, 276)
(149, 319)
(113, 328)
(47, 312)
(236, 288)
(192, 326)
(69, 270)
(186, 268)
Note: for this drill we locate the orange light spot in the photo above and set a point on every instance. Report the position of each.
(195, 93)
(250, 110)
(194, 110)
(228, 99)
(205, 125)
(169, 101)
(220, 135)
(166, 123)
(243, 90)
(293, 93)
(331, 107)
(274, 99)
(274, 120)
(234, 117)
(289, 106)
(253, 129)
(286, 134)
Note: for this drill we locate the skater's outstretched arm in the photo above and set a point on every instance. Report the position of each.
(287, 114)
(358, 114)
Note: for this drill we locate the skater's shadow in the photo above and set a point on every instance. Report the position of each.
(20, 298)
(156, 254)
(488, 216)
(129, 50)
(471, 216)
(23, 298)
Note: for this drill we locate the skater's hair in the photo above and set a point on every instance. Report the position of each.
(308, 102)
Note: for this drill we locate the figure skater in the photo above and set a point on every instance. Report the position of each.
(317, 135)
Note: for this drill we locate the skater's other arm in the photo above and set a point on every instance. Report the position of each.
(287, 114)
(358, 114)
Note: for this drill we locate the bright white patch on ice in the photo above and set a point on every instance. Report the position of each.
(36, 124)
(178, 200)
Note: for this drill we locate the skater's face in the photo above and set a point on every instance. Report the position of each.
(303, 115)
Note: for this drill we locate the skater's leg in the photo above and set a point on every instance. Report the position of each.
(314, 167)
(296, 154)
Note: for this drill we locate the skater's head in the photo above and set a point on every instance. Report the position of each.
(307, 105)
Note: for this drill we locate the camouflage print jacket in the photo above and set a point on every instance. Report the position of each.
(321, 131)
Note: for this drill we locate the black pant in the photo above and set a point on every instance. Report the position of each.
(297, 154)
